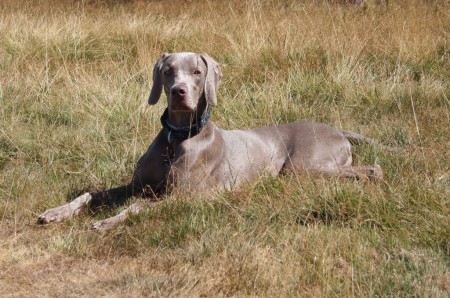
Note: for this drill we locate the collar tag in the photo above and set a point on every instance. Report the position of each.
(169, 136)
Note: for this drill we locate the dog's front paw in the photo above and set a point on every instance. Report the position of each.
(375, 172)
(58, 214)
(106, 224)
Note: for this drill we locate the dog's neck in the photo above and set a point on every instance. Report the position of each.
(178, 119)
(184, 118)
(183, 125)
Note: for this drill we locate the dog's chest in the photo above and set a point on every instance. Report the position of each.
(189, 166)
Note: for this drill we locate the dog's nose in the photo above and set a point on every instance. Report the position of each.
(179, 90)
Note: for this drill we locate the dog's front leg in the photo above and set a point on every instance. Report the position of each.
(121, 217)
(93, 199)
(63, 212)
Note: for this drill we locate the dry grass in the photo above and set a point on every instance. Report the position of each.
(74, 78)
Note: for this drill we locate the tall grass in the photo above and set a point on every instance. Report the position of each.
(74, 78)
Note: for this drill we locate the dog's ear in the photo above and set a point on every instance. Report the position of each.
(212, 79)
(155, 94)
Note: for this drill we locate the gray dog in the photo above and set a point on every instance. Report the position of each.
(192, 154)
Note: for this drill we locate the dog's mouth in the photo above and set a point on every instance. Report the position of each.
(182, 108)
(181, 105)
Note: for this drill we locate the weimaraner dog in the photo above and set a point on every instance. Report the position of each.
(191, 154)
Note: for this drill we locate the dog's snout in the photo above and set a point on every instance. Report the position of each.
(179, 90)
(179, 99)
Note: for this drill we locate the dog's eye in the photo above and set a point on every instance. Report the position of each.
(168, 72)
(197, 72)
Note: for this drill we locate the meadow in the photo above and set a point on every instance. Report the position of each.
(74, 81)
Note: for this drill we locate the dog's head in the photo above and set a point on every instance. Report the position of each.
(187, 78)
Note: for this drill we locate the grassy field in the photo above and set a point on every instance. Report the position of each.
(74, 81)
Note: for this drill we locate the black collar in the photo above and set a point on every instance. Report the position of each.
(184, 132)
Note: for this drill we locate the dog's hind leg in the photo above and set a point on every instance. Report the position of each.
(373, 173)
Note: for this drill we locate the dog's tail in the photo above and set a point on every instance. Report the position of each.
(355, 138)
